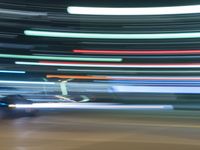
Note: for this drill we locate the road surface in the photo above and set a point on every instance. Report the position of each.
(103, 130)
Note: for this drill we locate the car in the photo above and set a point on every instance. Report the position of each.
(8, 109)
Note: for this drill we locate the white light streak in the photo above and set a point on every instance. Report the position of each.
(174, 10)
(156, 89)
(92, 106)
(181, 35)
(25, 82)
(192, 65)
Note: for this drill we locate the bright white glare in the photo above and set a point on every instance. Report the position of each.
(156, 89)
(112, 65)
(91, 106)
(191, 9)
(26, 82)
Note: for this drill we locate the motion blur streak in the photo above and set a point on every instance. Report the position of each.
(121, 77)
(110, 65)
(61, 58)
(79, 77)
(127, 71)
(25, 82)
(9, 71)
(157, 89)
(186, 83)
(20, 12)
(138, 52)
(92, 106)
(112, 36)
(190, 9)
(156, 78)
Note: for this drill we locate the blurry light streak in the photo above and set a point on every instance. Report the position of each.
(19, 12)
(3, 104)
(190, 9)
(138, 52)
(47, 51)
(7, 35)
(137, 57)
(80, 55)
(156, 89)
(150, 83)
(78, 77)
(61, 58)
(44, 100)
(111, 36)
(25, 82)
(9, 71)
(122, 77)
(126, 71)
(92, 106)
(162, 57)
(38, 54)
(161, 82)
(12, 92)
(111, 65)
(33, 87)
(156, 77)
(137, 43)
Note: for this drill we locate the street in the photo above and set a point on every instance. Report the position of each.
(102, 130)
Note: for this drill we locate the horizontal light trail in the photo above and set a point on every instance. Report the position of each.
(193, 83)
(25, 82)
(138, 52)
(121, 78)
(173, 82)
(78, 77)
(156, 89)
(156, 77)
(128, 71)
(112, 36)
(61, 58)
(92, 106)
(135, 57)
(12, 71)
(111, 65)
(20, 12)
(173, 10)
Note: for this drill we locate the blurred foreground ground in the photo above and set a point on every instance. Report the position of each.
(103, 130)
